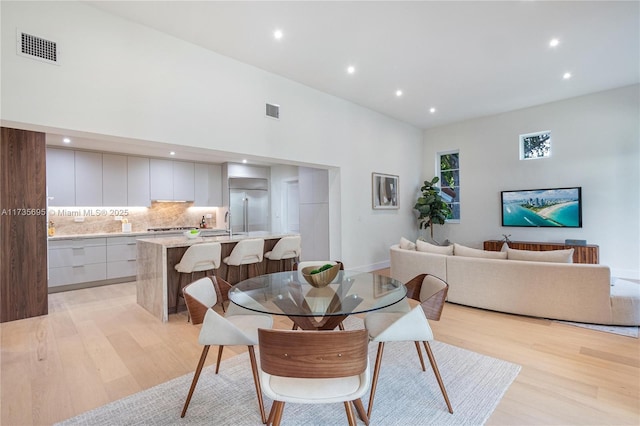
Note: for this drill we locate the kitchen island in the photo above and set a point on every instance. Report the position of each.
(157, 280)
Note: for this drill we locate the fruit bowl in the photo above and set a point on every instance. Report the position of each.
(322, 278)
(194, 233)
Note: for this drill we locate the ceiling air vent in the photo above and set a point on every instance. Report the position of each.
(37, 48)
(273, 111)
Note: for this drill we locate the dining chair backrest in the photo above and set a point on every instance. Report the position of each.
(313, 354)
(431, 292)
(200, 257)
(199, 296)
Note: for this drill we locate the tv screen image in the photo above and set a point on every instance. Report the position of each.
(555, 207)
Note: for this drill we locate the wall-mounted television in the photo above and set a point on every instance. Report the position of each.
(553, 207)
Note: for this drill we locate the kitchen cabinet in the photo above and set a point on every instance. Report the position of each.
(77, 260)
(171, 180)
(88, 178)
(121, 257)
(114, 180)
(138, 183)
(183, 181)
(61, 177)
(208, 185)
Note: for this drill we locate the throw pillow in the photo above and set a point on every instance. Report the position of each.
(460, 250)
(406, 244)
(556, 256)
(432, 248)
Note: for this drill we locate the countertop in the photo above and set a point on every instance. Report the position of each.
(171, 242)
(140, 234)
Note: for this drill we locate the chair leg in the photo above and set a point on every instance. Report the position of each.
(361, 412)
(350, 416)
(420, 355)
(196, 376)
(374, 381)
(220, 348)
(278, 415)
(256, 380)
(434, 366)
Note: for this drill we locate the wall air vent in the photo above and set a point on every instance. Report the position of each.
(38, 48)
(273, 111)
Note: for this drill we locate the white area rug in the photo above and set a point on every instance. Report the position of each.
(623, 331)
(405, 396)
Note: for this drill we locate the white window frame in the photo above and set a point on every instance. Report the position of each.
(439, 174)
(527, 135)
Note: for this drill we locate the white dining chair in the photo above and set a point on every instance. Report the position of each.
(402, 324)
(314, 367)
(238, 327)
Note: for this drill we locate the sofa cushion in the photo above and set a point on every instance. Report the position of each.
(556, 256)
(432, 248)
(460, 250)
(405, 244)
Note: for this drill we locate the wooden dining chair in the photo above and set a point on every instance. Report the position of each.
(410, 325)
(238, 327)
(314, 367)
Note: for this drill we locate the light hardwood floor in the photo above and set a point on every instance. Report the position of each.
(97, 345)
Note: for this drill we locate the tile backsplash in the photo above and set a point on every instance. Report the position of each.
(102, 219)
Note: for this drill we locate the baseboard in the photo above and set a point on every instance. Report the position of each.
(630, 274)
(372, 267)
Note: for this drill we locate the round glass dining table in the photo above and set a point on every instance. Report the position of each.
(312, 308)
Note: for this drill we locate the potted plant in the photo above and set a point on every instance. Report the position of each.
(431, 207)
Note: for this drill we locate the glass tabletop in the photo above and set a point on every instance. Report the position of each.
(288, 293)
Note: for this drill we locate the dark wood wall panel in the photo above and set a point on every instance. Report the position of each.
(23, 225)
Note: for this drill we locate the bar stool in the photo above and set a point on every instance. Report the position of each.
(247, 252)
(202, 257)
(287, 248)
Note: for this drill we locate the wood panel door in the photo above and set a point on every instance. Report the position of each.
(23, 225)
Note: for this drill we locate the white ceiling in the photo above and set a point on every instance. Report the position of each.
(466, 59)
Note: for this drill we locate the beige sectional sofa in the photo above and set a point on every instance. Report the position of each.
(564, 291)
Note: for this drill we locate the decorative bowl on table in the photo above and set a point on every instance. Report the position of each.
(193, 233)
(320, 275)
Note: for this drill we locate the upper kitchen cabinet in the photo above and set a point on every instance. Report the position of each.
(208, 185)
(138, 183)
(114, 180)
(61, 177)
(171, 180)
(88, 178)
(183, 181)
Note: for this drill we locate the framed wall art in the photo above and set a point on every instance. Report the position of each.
(384, 191)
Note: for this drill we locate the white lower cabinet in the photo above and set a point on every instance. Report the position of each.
(91, 260)
(77, 261)
(121, 257)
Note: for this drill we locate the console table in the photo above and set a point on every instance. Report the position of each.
(582, 254)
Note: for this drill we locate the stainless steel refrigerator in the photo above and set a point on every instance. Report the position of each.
(249, 204)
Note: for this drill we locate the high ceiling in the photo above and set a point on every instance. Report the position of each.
(465, 59)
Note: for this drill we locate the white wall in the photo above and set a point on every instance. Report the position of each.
(120, 79)
(595, 144)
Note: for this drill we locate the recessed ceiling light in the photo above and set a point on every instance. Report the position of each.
(172, 153)
(351, 69)
(66, 140)
(277, 34)
(244, 161)
(554, 42)
(398, 93)
(432, 110)
(566, 75)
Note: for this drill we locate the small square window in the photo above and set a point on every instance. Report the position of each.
(535, 145)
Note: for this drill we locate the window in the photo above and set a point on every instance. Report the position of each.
(449, 173)
(535, 145)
